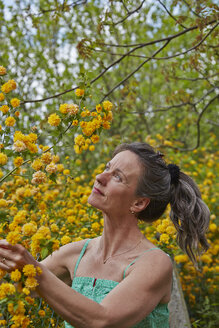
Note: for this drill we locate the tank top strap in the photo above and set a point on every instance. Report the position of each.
(81, 254)
(128, 266)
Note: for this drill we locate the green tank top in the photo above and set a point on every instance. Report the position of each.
(98, 289)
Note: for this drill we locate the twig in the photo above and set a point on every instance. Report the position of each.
(154, 41)
(129, 14)
(173, 56)
(186, 3)
(169, 13)
(139, 46)
(133, 72)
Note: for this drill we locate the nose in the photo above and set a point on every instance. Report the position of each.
(102, 178)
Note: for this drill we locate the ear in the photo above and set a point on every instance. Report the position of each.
(140, 204)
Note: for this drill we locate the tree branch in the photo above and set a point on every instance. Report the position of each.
(186, 3)
(128, 15)
(169, 13)
(139, 46)
(155, 41)
(169, 57)
(133, 72)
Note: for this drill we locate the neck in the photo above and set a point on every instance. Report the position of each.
(119, 236)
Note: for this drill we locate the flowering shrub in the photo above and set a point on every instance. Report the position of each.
(42, 207)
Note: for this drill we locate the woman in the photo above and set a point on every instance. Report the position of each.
(121, 279)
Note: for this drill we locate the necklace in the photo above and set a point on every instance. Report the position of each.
(130, 249)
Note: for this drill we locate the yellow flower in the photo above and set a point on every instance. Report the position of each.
(46, 158)
(15, 102)
(26, 291)
(206, 258)
(3, 159)
(60, 167)
(15, 275)
(65, 240)
(106, 125)
(3, 70)
(63, 108)
(181, 258)
(79, 92)
(37, 164)
(2, 97)
(29, 299)
(170, 230)
(164, 238)
(41, 313)
(6, 289)
(54, 120)
(55, 158)
(19, 146)
(51, 168)
(9, 86)
(54, 227)
(92, 148)
(38, 177)
(3, 203)
(107, 105)
(72, 109)
(2, 273)
(13, 237)
(31, 283)
(32, 148)
(95, 226)
(95, 138)
(10, 121)
(29, 270)
(213, 227)
(75, 122)
(28, 229)
(18, 161)
(98, 108)
(4, 109)
(79, 140)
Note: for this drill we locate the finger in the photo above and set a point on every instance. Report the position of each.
(7, 266)
(4, 244)
(7, 254)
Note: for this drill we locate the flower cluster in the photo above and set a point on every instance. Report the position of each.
(25, 142)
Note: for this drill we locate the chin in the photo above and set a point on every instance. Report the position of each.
(94, 202)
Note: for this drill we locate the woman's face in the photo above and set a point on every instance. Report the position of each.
(115, 188)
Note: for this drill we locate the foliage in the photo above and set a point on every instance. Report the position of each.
(156, 61)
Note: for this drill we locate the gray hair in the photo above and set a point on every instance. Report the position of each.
(189, 213)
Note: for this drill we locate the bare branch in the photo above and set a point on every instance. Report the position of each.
(169, 13)
(129, 14)
(139, 46)
(133, 72)
(188, 5)
(173, 56)
(198, 126)
(154, 41)
(124, 5)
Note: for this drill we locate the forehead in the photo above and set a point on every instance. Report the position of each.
(127, 162)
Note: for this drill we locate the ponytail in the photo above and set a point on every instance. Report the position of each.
(190, 216)
(165, 184)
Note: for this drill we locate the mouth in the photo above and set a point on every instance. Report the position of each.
(97, 191)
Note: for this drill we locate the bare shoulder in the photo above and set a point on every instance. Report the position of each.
(62, 261)
(68, 250)
(154, 266)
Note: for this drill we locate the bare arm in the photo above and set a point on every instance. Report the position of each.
(132, 300)
(61, 261)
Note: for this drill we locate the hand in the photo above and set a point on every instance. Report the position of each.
(14, 256)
